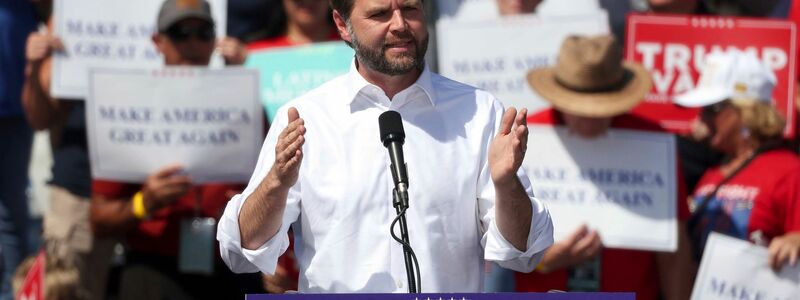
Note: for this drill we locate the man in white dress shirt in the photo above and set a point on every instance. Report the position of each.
(327, 174)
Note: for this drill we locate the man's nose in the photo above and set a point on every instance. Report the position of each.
(398, 21)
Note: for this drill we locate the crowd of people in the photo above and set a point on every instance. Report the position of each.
(737, 173)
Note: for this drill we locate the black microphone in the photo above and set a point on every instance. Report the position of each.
(393, 136)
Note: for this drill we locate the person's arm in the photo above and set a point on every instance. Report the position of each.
(676, 272)
(115, 216)
(261, 215)
(513, 211)
(516, 226)
(41, 110)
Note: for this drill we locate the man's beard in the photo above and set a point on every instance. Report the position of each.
(375, 59)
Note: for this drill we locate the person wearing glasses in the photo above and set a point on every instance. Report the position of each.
(753, 195)
(75, 226)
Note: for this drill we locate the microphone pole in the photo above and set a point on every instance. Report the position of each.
(393, 137)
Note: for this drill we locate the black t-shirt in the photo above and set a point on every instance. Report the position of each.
(254, 19)
(71, 153)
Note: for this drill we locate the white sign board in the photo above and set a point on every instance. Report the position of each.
(622, 184)
(487, 9)
(496, 55)
(735, 269)
(109, 34)
(210, 121)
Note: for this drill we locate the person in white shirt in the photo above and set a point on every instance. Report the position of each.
(327, 174)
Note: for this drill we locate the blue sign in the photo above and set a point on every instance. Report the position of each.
(288, 72)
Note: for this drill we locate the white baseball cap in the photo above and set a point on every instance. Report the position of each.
(730, 75)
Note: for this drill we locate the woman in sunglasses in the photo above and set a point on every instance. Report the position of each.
(754, 194)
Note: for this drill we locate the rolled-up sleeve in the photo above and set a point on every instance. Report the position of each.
(500, 250)
(496, 247)
(265, 258)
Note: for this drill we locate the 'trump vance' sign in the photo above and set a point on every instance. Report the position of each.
(673, 48)
(139, 121)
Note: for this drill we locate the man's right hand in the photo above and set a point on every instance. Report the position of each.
(40, 45)
(164, 187)
(581, 246)
(289, 152)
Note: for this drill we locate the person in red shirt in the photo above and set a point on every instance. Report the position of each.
(307, 21)
(754, 194)
(592, 90)
(151, 215)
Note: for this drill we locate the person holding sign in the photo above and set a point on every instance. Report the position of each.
(754, 194)
(324, 171)
(67, 231)
(167, 221)
(592, 90)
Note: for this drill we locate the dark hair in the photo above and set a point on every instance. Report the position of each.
(344, 7)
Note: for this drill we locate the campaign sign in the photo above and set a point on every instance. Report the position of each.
(622, 184)
(674, 48)
(109, 34)
(507, 50)
(289, 72)
(735, 269)
(209, 121)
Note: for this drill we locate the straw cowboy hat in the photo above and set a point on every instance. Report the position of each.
(591, 80)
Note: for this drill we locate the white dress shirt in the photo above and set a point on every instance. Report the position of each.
(341, 206)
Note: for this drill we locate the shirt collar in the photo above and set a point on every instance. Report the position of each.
(356, 83)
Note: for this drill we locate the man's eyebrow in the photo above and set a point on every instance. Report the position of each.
(376, 9)
(412, 3)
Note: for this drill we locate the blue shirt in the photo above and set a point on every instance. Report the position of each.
(17, 20)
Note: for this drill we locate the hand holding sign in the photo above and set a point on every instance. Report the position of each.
(164, 187)
(508, 147)
(581, 246)
(288, 151)
(233, 50)
(40, 45)
(784, 249)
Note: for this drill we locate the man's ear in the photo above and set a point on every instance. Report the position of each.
(159, 40)
(341, 26)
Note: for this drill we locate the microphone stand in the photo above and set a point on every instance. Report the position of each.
(400, 203)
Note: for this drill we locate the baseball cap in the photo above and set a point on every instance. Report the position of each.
(174, 11)
(730, 75)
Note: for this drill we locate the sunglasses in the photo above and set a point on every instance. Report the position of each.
(179, 34)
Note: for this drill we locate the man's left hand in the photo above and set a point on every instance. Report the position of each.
(508, 147)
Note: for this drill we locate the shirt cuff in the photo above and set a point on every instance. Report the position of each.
(241, 260)
(540, 237)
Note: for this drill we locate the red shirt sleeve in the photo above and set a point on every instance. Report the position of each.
(779, 212)
(113, 189)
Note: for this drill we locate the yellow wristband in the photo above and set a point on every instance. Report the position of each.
(139, 211)
(541, 268)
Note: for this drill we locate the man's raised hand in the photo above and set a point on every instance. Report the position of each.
(509, 145)
(289, 151)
